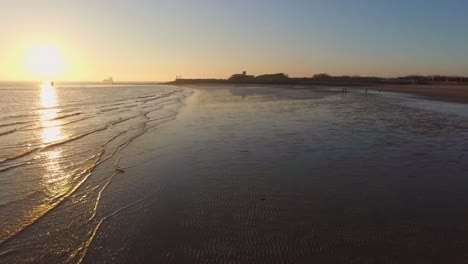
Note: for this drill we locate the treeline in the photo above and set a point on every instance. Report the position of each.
(284, 79)
(435, 78)
(321, 79)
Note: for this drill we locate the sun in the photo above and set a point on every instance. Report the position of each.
(45, 61)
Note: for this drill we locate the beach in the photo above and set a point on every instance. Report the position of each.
(441, 92)
(260, 174)
(447, 92)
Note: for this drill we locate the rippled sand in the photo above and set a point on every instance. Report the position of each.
(269, 175)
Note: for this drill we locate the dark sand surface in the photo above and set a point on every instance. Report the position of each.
(442, 92)
(260, 175)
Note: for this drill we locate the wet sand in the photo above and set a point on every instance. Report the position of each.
(260, 175)
(457, 93)
(441, 92)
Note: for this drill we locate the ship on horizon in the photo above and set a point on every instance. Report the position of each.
(108, 80)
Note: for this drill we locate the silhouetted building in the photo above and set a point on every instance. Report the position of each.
(273, 77)
(241, 77)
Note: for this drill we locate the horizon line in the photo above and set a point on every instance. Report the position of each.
(225, 78)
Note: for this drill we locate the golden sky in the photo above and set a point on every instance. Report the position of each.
(157, 40)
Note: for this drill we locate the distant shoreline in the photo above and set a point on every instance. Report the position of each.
(455, 93)
(451, 92)
(295, 81)
(324, 80)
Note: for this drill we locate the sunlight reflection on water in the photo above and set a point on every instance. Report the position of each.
(51, 128)
(55, 181)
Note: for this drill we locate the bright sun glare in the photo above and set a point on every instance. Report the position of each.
(45, 62)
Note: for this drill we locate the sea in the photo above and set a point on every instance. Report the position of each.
(52, 139)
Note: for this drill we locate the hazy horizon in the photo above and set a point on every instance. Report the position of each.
(158, 40)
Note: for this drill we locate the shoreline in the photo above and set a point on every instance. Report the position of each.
(237, 162)
(454, 93)
(439, 92)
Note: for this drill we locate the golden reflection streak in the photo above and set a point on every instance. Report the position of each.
(54, 179)
(51, 128)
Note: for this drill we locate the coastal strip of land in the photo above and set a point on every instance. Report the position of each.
(435, 87)
(442, 91)
(457, 93)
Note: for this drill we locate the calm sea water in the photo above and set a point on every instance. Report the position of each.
(53, 138)
(158, 174)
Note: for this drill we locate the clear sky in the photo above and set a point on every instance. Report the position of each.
(155, 40)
